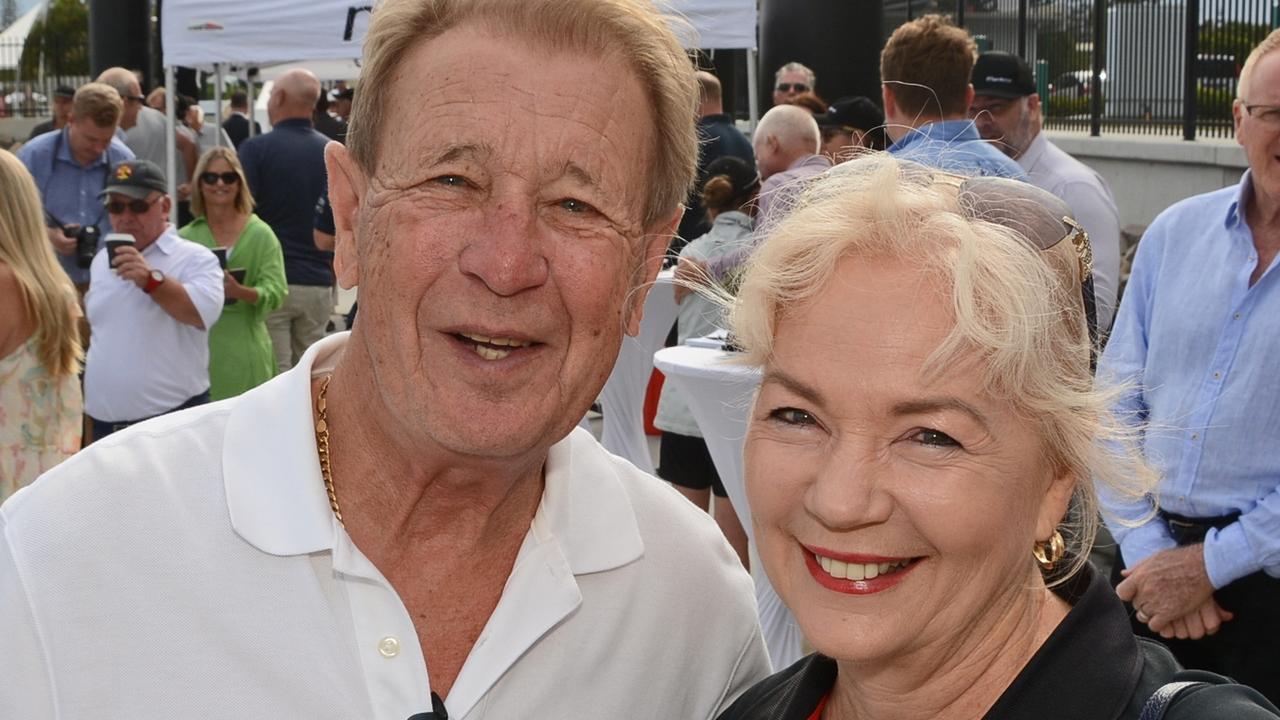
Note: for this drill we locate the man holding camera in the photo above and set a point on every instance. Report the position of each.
(70, 167)
(150, 304)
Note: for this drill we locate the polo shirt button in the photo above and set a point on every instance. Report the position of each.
(389, 647)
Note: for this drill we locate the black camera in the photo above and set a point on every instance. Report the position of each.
(86, 244)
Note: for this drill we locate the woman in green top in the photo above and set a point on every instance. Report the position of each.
(240, 354)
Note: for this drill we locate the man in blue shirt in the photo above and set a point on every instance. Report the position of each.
(70, 168)
(1195, 345)
(924, 70)
(286, 174)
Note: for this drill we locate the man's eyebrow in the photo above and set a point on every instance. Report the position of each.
(457, 152)
(580, 174)
(780, 377)
(940, 404)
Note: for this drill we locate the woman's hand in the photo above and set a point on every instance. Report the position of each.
(236, 291)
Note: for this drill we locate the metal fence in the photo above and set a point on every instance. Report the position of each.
(1147, 67)
(29, 77)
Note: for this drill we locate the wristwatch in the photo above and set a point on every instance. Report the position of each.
(153, 281)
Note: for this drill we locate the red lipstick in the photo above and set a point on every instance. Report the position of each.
(877, 584)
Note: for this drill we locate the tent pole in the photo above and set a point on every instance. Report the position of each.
(171, 143)
(753, 89)
(248, 89)
(221, 90)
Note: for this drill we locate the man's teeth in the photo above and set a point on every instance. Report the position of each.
(858, 571)
(491, 348)
(489, 353)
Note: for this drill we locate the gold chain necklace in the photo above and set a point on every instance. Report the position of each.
(322, 444)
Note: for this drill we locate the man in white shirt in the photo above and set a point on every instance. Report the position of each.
(408, 521)
(1006, 109)
(150, 306)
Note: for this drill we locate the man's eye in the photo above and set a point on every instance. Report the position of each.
(935, 438)
(792, 416)
(452, 180)
(575, 206)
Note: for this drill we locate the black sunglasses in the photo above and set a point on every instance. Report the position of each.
(137, 207)
(211, 178)
(788, 87)
(1043, 220)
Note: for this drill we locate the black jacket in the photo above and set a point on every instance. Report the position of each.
(1090, 668)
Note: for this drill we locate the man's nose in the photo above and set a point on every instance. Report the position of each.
(508, 253)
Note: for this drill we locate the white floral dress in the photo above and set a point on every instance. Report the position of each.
(41, 418)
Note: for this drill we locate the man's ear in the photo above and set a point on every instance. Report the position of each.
(347, 187)
(654, 245)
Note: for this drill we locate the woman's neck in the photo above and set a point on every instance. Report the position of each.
(223, 217)
(959, 678)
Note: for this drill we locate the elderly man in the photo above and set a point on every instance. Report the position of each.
(70, 167)
(410, 512)
(1006, 109)
(63, 96)
(286, 174)
(150, 306)
(791, 80)
(146, 130)
(1195, 343)
(924, 71)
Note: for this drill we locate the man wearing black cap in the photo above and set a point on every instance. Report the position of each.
(63, 96)
(150, 306)
(850, 122)
(1006, 110)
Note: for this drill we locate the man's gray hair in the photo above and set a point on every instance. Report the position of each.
(793, 66)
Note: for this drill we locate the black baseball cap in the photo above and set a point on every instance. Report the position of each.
(135, 178)
(855, 111)
(64, 91)
(1002, 75)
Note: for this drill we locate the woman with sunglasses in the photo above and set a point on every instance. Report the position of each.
(41, 404)
(240, 354)
(922, 456)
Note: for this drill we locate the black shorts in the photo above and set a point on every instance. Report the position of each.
(685, 461)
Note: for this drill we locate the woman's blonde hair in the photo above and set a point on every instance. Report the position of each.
(48, 296)
(244, 199)
(632, 28)
(1017, 308)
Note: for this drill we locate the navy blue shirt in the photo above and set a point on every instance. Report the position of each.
(285, 169)
(717, 137)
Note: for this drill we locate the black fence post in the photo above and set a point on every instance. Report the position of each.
(1099, 51)
(1190, 69)
(960, 12)
(1022, 29)
(910, 12)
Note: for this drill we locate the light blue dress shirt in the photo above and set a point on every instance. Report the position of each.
(1199, 349)
(70, 190)
(956, 147)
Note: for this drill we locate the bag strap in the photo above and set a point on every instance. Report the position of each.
(1158, 704)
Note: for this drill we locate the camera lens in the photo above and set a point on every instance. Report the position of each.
(86, 246)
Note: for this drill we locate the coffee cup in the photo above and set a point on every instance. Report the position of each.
(116, 240)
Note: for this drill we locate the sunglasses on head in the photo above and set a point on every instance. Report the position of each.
(1043, 220)
(227, 178)
(788, 87)
(137, 207)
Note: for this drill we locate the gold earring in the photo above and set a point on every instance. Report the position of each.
(1048, 553)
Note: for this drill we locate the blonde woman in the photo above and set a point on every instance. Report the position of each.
(240, 351)
(41, 406)
(923, 457)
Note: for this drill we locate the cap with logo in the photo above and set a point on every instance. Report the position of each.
(855, 111)
(135, 178)
(1002, 75)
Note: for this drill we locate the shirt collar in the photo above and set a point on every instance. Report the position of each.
(809, 161)
(1034, 152)
(294, 122)
(946, 131)
(1238, 207)
(165, 243)
(277, 501)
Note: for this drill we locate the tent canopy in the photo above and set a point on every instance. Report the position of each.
(198, 33)
(14, 37)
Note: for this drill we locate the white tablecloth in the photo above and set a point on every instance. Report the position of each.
(622, 399)
(719, 394)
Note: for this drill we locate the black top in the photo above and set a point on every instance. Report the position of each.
(237, 127)
(1091, 667)
(286, 174)
(717, 137)
(44, 127)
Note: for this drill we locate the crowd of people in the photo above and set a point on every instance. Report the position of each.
(953, 395)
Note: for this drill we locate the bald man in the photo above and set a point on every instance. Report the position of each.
(285, 169)
(786, 145)
(717, 137)
(146, 130)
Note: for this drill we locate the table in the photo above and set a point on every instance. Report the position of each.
(622, 399)
(719, 394)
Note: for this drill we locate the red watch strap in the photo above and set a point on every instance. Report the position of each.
(152, 283)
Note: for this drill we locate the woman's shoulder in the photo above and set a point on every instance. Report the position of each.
(789, 694)
(258, 229)
(196, 231)
(1193, 694)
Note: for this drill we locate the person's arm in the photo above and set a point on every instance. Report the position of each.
(173, 296)
(1096, 212)
(269, 281)
(248, 153)
(1132, 520)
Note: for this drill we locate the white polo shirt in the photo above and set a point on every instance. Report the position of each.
(141, 361)
(190, 567)
(1086, 193)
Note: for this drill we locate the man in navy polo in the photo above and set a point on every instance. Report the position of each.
(285, 169)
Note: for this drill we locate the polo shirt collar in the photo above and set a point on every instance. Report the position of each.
(295, 123)
(277, 501)
(167, 240)
(945, 131)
